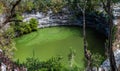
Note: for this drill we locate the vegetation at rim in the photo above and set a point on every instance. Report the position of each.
(53, 64)
(7, 43)
(10, 13)
(21, 28)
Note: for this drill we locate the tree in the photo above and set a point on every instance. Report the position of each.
(6, 32)
(86, 52)
(108, 9)
(7, 43)
(9, 11)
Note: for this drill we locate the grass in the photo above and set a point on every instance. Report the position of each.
(57, 41)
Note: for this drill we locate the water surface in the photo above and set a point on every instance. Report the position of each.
(57, 41)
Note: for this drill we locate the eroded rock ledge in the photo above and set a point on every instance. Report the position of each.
(67, 19)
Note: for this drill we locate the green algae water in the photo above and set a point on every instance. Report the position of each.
(57, 41)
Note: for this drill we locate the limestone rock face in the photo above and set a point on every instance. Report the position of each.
(63, 18)
(106, 63)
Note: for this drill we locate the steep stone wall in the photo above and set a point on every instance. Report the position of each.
(64, 19)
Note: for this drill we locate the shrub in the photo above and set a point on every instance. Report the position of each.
(21, 31)
(97, 59)
(53, 64)
(33, 24)
(24, 27)
(32, 64)
(27, 28)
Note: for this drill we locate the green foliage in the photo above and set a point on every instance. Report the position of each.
(18, 63)
(26, 6)
(41, 5)
(21, 28)
(53, 64)
(114, 30)
(97, 59)
(55, 5)
(24, 28)
(18, 17)
(32, 64)
(7, 43)
(33, 24)
(30, 5)
(91, 5)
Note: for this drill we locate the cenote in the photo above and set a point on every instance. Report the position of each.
(57, 41)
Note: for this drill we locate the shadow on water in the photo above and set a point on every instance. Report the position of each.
(73, 27)
(96, 45)
(95, 42)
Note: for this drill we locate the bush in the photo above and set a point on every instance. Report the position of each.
(18, 17)
(32, 64)
(97, 59)
(53, 64)
(27, 28)
(21, 28)
(33, 24)
(21, 31)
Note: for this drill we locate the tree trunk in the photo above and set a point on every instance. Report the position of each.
(108, 9)
(10, 11)
(110, 22)
(87, 54)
